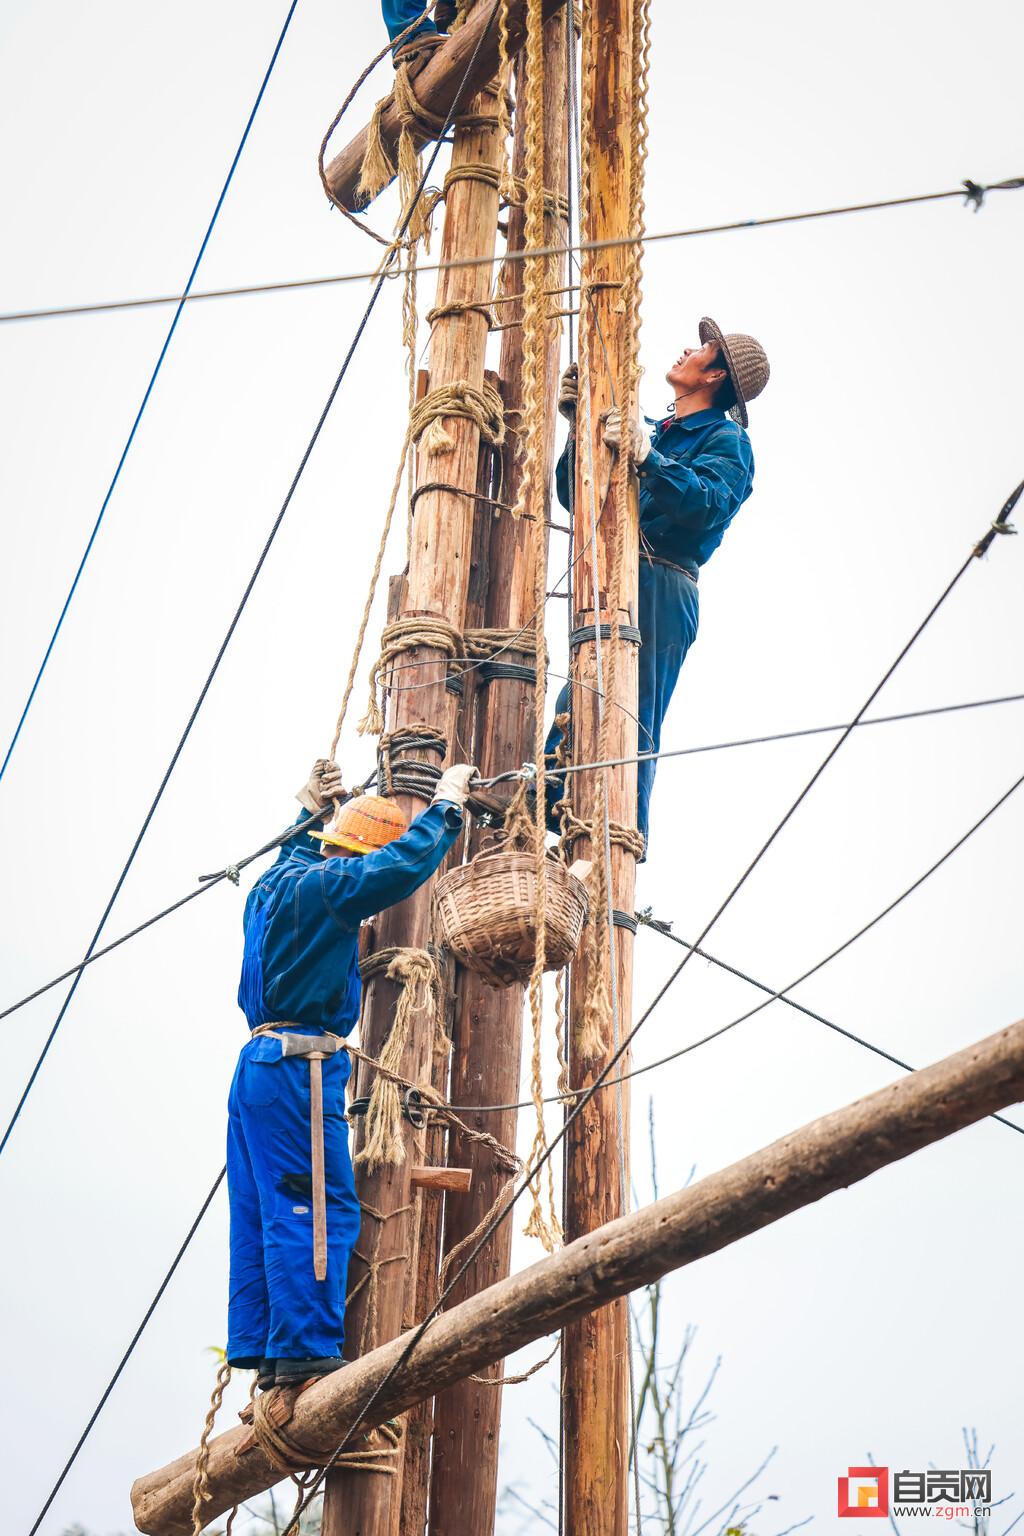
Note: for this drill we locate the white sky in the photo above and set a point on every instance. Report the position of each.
(883, 1319)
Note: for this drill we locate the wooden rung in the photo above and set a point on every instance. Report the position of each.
(456, 1181)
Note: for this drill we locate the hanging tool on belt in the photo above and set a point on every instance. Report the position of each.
(316, 1049)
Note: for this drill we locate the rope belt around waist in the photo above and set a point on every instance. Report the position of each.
(670, 565)
(316, 1049)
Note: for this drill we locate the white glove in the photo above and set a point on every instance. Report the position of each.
(569, 392)
(454, 785)
(323, 786)
(639, 440)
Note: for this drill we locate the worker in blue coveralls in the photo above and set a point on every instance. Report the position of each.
(299, 991)
(696, 469)
(400, 14)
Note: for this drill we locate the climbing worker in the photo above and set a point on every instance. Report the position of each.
(400, 14)
(293, 1208)
(696, 470)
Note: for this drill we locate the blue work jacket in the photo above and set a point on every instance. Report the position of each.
(698, 474)
(301, 960)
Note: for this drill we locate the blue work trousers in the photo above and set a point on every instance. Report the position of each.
(668, 614)
(277, 1309)
(399, 14)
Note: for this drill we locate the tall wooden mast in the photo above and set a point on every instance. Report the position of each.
(596, 1386)
(488, 1023)
(358, 1503)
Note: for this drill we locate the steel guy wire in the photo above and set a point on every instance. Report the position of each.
(230, 871)
(382, 277)
(968, 190)
(180, 302)
(137, 1335)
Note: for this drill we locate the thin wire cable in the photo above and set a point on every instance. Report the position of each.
(181, 302)
(382, 277)
(209, 881)
(140, 1330)
(1012, 183)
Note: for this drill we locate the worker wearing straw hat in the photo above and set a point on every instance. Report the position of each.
(696, 469)
(294, 1212)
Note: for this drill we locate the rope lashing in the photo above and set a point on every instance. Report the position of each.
(460, 307)
(374, 1264)
(556, 204)
(587, 634)
(490, 175)
(483, 645)
(621, 836)
(378, 169)
(408, 776)
(482, 406)
(271, 1411)
(410, 634)
(414, 970)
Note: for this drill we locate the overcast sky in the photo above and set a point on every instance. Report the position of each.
(879, 1321)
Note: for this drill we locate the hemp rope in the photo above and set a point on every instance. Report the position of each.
(374, 1264)
(481, 406)
(288, 1455)
(407, 634)
(482, 644)
(513, 1381)
(201, 1483)
(535, 324)
(460, 307)
(415, 971)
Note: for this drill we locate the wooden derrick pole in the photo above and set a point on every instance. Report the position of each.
(421, 1291)
(488, 1022)
(817, 1159)
(597, 1429)
(360, 1503)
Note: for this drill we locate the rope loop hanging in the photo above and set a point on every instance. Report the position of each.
(409, 634)
(416, 973)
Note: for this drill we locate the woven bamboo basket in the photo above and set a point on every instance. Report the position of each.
(484, 913)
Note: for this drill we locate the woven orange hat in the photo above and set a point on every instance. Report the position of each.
(365, 823)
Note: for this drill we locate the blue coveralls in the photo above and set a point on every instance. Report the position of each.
(300, 971)
(698, 474)
(399, 14)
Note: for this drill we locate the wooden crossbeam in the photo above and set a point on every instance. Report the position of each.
(436, 87)
(828, 1154)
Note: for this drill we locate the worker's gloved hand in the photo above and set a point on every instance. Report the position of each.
(323, 786)
(454, 784)
(569, 392)
(638, 437)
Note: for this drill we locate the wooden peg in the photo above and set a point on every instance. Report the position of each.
(456, 1181)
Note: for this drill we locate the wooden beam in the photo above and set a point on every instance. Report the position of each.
(596, 1353)
(436, 87)
(820, 1158)
(489, 1023)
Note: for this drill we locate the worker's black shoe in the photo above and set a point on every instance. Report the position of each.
(444, 14)
(266, 1374)
(289, 1373)
(418, 51)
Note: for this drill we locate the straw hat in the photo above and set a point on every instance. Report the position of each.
(364, 824)
(746, 361)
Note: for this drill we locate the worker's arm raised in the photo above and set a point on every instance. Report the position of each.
(710, 487)
(356, 888)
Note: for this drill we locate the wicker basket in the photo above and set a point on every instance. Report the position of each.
(484, 913)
